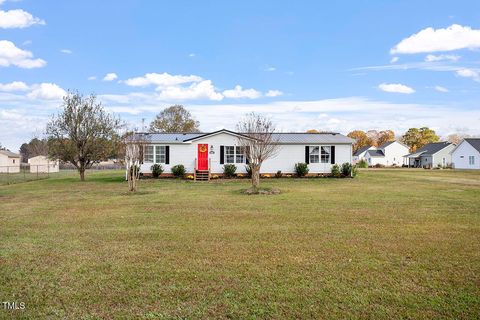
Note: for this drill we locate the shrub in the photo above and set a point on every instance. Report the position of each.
(278, 174)
(229, 170)
(354, 171)
(379, 165)
(336, 170)
(249, 170)
(178, 170)
(362, 164)
(301, 169)
(157, 170)
(266, 176)
(346, 169)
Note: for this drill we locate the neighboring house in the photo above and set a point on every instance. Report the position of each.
(9, 162)
(41, 164)
(431, 155)
(209, 152)
(360, 153)
(467, 154)
(388, 154)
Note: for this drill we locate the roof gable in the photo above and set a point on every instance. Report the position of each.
(9, 154)
(375, 153)
(204, 135)
(431, 148)
(361, 150)
(474, 142)
(389, 143)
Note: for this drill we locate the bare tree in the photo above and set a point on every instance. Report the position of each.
(134, 146)
(259, 142)
(83, 133)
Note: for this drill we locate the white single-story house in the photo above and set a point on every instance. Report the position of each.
(390, 153)
(42, 164)
(9, 162)
(467, 154)
(360, 153)
(431, 155)
(211, 151)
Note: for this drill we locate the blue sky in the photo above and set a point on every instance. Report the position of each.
(336, 66)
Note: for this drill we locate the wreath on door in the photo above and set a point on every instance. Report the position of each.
(203, 148)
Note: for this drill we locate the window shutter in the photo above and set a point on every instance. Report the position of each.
(222, 153)
(307, 154)
(332, 155)
(167, 154)
(247, 152)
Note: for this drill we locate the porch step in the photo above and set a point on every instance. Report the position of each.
(202, 175)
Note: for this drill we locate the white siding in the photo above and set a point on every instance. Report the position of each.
(288, 155)
(394, 154)
(42, 164)
(460, 156)
(11, 165)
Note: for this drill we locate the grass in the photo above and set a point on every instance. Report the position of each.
(389, 244)
(25, 175)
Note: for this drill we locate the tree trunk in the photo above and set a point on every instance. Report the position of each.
(81, 170)
(255, 177)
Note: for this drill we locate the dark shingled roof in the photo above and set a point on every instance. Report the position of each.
(376, 153)
(432, 148)
(361, 150)
(475, 142)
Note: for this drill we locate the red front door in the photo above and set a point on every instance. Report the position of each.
(202, 157)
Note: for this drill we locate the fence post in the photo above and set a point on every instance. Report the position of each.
(8, 178)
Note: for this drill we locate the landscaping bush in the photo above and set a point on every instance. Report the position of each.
(379, 165)
(301, 169)
(229, 170)
(354, 171)
(157, 170)
(278, 174)
(346, 169)
(178, 170)
(336, 171)
(362, 164)
(249, 170)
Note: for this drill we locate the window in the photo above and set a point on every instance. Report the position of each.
(234, 154)
(240, 155)
(13, 160)
(160, 154)
(325, 155)
(229, 154)
(148, 154)
(471, 160)
(314, 154)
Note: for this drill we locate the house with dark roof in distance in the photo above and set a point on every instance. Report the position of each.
(9, 162)
(360, 153)
(209, 152)
(467, 154)
(431, 155)
(390, 153)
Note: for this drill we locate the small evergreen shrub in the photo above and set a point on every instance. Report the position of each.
(362, 164)
(229, 170)
(379, 165)
(336, 171)
(279, 174)
(178, 170)
(301, 169)
(157, 170)
(346, 169)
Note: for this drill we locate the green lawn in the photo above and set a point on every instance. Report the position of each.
(389, 244)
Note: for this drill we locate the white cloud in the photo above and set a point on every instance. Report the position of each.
(10, 55)
(441, 89)
(273, 93)
(18, 19)
(161, 80)
(66, 51)
(270, 69)
(239, 92)
(394, 59)
(191, 55)
(14, 86)
(198, 90)
(110, 76)
(454, 37)
(441, 57)
(469, 73)
(395, 88)
(92, 78)
(46, 91)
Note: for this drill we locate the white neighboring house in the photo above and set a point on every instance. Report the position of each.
(211, 151)
(9, 162)
(431, 155)
(42, 164)
(467, 154)
(360, 154)
(390, 153)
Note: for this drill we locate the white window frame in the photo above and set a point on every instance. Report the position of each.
(471, 160)
(325, 156)
(314, 154)
(233, 157)
(160, 157)
(149, 154)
